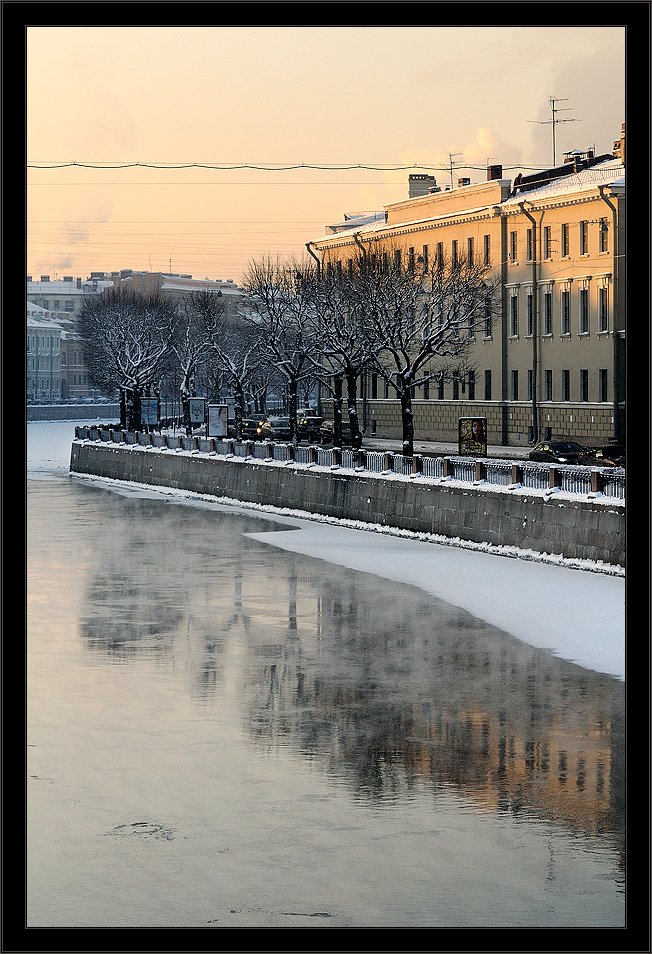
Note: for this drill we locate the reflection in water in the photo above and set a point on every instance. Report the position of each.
(383, 685)
(389, 691)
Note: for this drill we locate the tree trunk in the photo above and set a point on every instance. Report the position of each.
(123, 408)
(133, 416)
(292, 410)
(337, 411)
(352, 406)
(238, 408)
(407, 420)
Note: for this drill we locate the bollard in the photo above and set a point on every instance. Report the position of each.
(554, 478)
(388, 461)
(417, 464)
(361, 459)
(597, 481)
(336, 456)
(480, 470)
(447, 467)
(268, 451)
(517, 473)
(289, 453)
(249, 448)
(313, 455)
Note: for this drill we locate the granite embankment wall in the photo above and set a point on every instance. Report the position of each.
(577, 529)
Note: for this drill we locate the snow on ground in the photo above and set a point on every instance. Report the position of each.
(563, 606)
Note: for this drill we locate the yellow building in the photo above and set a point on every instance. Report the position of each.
(552, 364)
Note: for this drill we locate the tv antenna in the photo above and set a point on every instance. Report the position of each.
(554, 121)
(451, 157)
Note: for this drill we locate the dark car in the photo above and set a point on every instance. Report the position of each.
(308, 427)
(558, 452)
(274, 429)
(250, 428)
(609, 455)
(326, 432)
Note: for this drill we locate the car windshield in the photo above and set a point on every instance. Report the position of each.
(566, 447)
(279, 421)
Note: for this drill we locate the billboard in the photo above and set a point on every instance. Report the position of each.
(149, 411)
(197, 410)
(218, 420)
(472, 436)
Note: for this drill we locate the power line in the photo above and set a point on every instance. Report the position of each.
(227, 167)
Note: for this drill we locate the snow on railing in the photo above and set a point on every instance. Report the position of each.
(579, 480)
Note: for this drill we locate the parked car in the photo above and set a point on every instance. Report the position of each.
(609, 455)
(326, 432)
(558, 452)
(274, 429)
(308, 427)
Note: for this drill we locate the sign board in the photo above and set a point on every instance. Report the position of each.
(472, 436)
(197, 409)
(218, 420)
(149, 410)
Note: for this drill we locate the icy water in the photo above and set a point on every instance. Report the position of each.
(221, 734)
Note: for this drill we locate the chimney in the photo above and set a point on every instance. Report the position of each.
(494, 172)
(45, 278)
(619, 145)
(421, 184)
(463, 182)
(79, 283)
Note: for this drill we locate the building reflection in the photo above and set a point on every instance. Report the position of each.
(385, 687)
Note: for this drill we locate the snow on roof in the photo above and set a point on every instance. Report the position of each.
(611, 172)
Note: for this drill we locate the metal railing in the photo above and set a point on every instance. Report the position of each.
(578, 480)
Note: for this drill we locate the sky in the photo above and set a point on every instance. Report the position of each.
(584, 622)
(264, 104)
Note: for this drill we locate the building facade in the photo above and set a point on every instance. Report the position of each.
(552, 364)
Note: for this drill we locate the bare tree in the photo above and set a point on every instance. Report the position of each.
(236, 357)
(201, 319)
(126, 343)
(279, 299)
(420, 324)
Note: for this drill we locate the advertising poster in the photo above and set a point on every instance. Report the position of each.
(149, 411)
(472, 436)
(218, 420)
(197, 408)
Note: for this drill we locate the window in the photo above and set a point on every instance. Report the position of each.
(565, 385)
(584, 238)
(339, 269)
(397, 258)
(424, 255)
(469, 251)
(584, 385)
(604, 235)
(440, 253)
(374, 385)
(547, 379)
(440, 316)
(513, 314)
(487, 385)
(547, 313)
(584, 311)
(602, 377)
(513, 247)
(69, 305)
(514, 385)
(565, 313)
(426, 390)
(564, 241)
(529, 243)
(487, 250)
(454, 252)
(349, 266)
(411, 259)
(487, 317)
(529, 314)
(57, 304)
(471, 385)
(547, 246)
(440, 387)
(456, 386)
(530, 379)
(603, 319)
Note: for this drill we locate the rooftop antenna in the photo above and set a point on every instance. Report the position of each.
(450, 159)
(554, 121)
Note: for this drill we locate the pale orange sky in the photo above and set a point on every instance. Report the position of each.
(261, 95)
